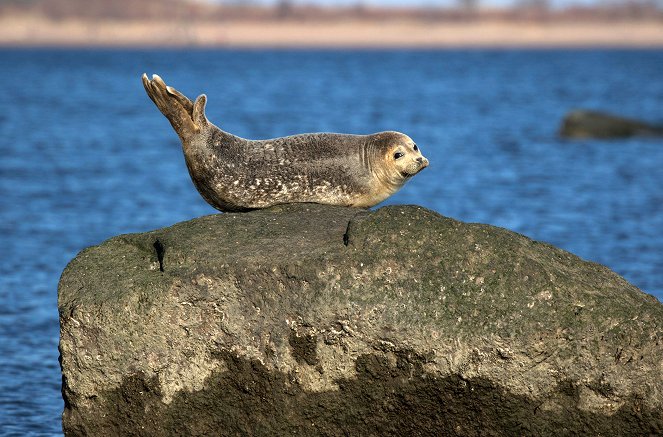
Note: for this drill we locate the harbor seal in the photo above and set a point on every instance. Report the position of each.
(235, 174)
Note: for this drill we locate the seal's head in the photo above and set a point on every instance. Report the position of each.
(400, 156)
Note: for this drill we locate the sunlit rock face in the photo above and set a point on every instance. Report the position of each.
(319, 320)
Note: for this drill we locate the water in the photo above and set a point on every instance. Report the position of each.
(86, 156)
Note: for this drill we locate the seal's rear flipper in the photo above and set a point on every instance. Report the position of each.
(187, 118)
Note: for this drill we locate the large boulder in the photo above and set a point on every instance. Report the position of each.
(581, 124)
(317, 320)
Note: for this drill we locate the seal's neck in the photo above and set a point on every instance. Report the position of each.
(387, 179)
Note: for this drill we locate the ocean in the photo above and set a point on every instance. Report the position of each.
(85, 155)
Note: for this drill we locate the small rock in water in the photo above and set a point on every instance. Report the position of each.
(594, 124)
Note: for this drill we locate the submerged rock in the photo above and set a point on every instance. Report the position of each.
(319, 320)
(595, 124)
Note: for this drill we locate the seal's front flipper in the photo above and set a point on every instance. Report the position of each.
(177, 108)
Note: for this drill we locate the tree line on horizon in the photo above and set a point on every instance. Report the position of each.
(288, 9)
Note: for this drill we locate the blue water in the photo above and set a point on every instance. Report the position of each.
(84, 155)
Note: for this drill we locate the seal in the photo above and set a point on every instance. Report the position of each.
(235, 174)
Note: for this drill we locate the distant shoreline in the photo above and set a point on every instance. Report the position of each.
(34, 31)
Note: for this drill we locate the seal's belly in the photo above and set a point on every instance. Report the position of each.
(252, 186)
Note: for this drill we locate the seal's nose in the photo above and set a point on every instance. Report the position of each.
(423, 161)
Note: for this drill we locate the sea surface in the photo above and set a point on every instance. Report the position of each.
(85, 155)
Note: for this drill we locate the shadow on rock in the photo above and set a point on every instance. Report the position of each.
(385, 399)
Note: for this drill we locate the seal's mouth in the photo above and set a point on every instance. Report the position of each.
(422, 164)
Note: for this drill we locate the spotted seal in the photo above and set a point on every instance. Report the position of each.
(235, 174)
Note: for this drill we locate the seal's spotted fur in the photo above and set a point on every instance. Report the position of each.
(235, 174)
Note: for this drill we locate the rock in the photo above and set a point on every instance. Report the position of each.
(318, 320)
(594, 124)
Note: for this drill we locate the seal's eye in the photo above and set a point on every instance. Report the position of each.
(398, 155)
(415, 148)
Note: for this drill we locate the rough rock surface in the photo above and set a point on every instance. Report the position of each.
(315, 320)
(581, 124)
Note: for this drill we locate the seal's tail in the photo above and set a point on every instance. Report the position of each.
(186, 117)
